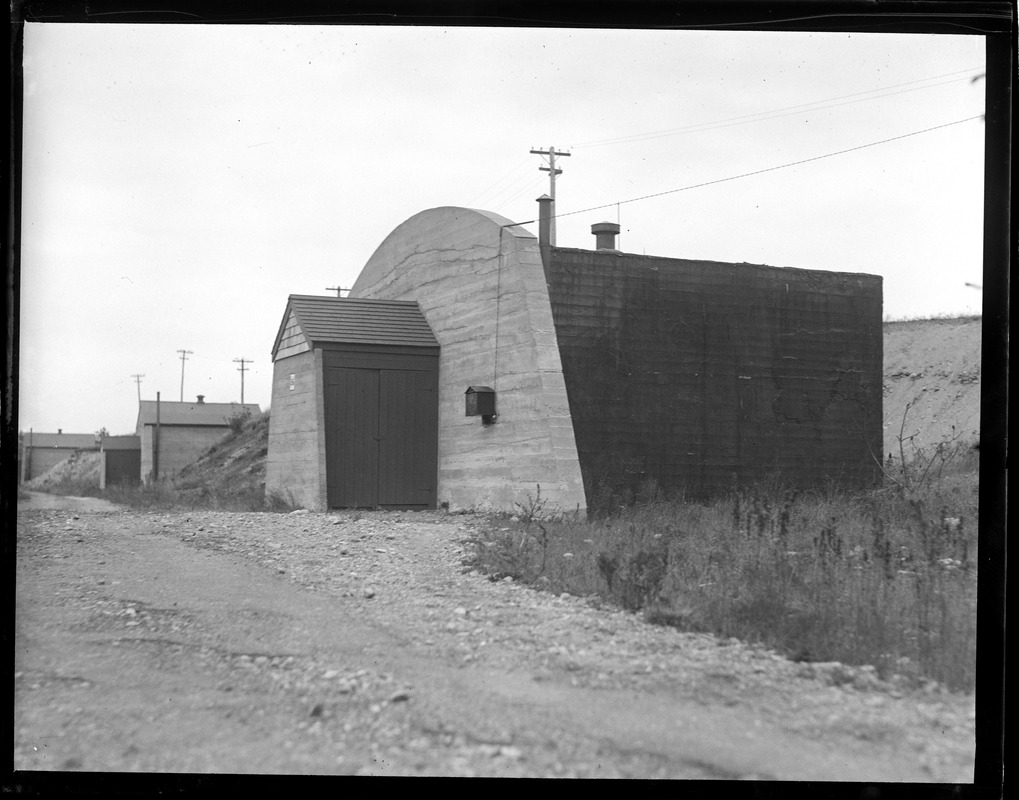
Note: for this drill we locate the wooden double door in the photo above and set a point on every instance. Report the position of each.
(381, 415)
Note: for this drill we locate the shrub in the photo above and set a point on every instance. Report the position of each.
(238, 421)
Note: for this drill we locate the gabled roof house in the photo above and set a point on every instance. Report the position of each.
(173, 435)
(42, 451)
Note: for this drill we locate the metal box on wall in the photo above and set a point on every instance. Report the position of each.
(480, 401)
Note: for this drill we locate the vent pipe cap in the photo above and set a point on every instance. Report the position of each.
(605, 235)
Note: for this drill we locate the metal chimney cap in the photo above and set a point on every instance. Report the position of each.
(604, 227)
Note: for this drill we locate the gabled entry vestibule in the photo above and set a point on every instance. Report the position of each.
(354, 416)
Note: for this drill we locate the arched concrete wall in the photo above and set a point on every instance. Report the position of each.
(480, 283)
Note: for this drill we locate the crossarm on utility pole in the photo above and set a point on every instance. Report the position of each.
(552, 171)
(242, 361)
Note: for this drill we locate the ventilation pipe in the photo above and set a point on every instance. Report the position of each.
(546, 210)
(605, 235)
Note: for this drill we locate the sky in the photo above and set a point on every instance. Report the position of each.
(180, 182)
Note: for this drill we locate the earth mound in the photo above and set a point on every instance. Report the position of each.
(81, 468)
(233, 466)
(931, 383)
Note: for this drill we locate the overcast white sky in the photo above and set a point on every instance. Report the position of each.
(181, 181)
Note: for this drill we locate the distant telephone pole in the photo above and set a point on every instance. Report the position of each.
(551, 153)
(183, 357)
(138, 380)
(337, 289)
(240, 369)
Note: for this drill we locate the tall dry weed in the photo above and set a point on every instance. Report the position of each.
(884, 578)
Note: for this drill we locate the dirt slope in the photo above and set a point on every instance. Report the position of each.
(80, 467)
(934, 365)
(235, 465)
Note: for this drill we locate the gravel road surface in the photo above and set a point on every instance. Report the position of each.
(356, 643)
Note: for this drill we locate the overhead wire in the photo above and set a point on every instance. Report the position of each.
(528, 188)
(762, 171)
(492, 185)
(510, 193)
(522, 184)
(784, 111)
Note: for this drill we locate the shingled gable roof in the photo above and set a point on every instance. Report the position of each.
(357, 320)
(192, 414)
(76, 441)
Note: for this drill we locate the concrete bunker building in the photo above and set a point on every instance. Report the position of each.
(606, 372)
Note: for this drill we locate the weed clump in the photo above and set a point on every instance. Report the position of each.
(885, 578)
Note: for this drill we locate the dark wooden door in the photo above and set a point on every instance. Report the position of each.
(381, 437)
(352, 453)
(123, 466)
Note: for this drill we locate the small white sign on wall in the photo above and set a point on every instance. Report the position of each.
(293, 379)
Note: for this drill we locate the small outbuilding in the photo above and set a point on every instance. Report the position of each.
(121, 460)
(173, 435)
(42, 451)
(354, 420)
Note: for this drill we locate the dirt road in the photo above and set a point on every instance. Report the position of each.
(356, 644)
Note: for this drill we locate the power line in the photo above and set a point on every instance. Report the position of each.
(761, 171)
(528, 188)
(777, 113)
(208, 358)
(511, 193)
(491, 186)
(523, 184)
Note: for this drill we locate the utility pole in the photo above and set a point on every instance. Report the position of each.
(155, 443)
(337, 289)
(240, 369)
(138, 380)
(552, 172)
(183, 357)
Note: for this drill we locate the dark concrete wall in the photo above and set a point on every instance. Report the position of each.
(700, 375)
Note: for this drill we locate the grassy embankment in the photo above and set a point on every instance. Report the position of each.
(884, 578)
